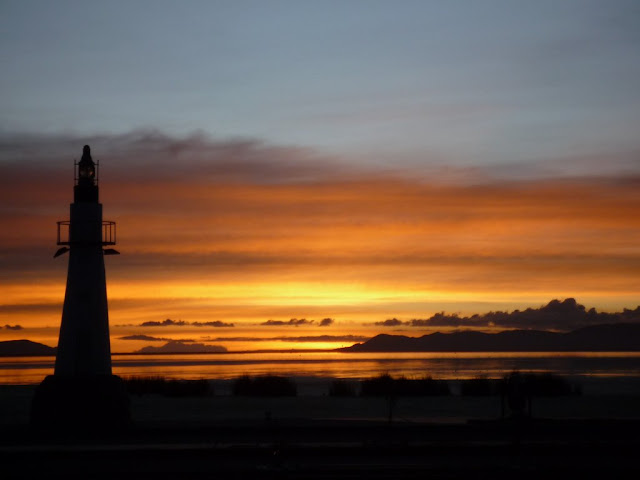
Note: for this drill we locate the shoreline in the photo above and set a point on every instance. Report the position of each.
(582, 367)
(605, 399)
(319, 385)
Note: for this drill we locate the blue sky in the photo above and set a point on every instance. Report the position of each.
(458, 83)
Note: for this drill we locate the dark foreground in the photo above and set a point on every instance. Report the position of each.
(313, 437)
(495, 449)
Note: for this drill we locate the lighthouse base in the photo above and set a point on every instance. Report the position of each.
(88, 404)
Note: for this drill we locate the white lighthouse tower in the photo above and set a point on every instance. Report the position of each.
(82, 391)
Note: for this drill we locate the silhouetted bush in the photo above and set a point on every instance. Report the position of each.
(549, 385)
(264, 386)
(170, 388)
(342, 388)
(385, 385)
(540, 384)
(145, 385)
(478, 387)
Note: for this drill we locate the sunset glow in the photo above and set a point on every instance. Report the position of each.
(355, 251)
(346, 171)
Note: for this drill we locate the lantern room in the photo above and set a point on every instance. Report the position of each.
(86, 178)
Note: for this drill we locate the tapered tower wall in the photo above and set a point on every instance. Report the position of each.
(83, 346)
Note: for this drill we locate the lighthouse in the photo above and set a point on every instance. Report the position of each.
(83, 346)
(82, 392)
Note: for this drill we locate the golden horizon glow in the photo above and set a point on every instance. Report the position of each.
(358, 252)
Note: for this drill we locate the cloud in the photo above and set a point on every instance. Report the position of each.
(390, 322)
(557, 315)
(159, 157)
(175, 346)
(181, 323)
(13, 327)
(296, 322)
(216, 323)
(324, 338)
(149, 338)
(165, 323)
(302, 339)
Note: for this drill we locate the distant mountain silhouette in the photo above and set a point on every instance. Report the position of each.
(618, 337)
(17, 348)
(175, 346)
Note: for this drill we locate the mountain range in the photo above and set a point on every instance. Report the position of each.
(619, 337)
(17, 348)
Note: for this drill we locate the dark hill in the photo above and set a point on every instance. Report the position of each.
(26, 348)
(611, 337)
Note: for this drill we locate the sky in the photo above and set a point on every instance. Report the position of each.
(288, 173)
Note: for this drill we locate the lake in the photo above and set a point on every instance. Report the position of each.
(331, 364)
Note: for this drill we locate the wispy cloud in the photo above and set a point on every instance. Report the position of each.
(149, 338)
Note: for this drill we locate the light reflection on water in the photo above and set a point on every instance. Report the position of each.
(442, 365)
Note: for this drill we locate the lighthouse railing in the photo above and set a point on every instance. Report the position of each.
(108, 233)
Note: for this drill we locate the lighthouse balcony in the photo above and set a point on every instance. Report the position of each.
(108, 235)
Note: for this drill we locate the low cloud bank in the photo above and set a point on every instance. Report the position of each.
(150, 338)
(181, 323)
(557, 315)
(296, 322)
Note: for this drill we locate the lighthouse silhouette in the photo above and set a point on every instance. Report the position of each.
(82, 392)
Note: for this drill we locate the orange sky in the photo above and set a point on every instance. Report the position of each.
(240, 240)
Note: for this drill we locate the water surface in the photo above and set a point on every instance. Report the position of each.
(450, 366)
